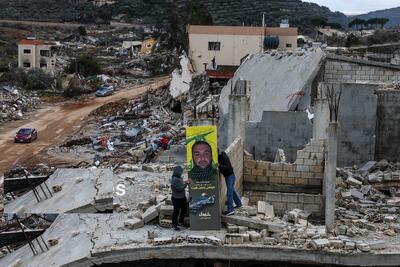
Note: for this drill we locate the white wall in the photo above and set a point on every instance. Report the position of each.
(233, 48)
(26, 57)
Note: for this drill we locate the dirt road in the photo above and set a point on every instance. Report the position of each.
(56, 121)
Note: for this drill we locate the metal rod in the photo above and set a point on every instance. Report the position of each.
(41, 248)
(48, 188)
(43, 191)
(26, 237)
(44, 242)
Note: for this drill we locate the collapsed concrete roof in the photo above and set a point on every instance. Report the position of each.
(276, 80)
(96, 196)
(93, 239)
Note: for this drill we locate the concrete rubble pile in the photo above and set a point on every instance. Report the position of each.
(147, 65)
(366, 218)
(14, 104)
(368, 200)
(197, 94)
(129, 132)
(145, 185)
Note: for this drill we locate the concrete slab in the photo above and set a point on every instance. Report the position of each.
(274, 82)
(83, 191)
(89, 239)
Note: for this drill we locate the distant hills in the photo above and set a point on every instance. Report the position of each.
(393, 14)
(224, 12)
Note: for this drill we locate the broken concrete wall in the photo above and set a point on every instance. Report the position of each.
(233, 124)
(181, 79)
(235, 153)
(351, 70)
(280, 81)
(283, 202)
(357, 120)
(289, 131)
(388, 127)
(305, 175)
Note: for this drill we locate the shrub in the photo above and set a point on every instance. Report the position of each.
(84, 65)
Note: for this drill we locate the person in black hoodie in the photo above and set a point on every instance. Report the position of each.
(225, 167)
(178, 187)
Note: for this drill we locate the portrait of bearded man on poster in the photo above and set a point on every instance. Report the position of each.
(203, 167)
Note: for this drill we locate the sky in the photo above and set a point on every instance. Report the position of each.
(350, 7)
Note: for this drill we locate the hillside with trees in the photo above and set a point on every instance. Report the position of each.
(392, 14)
(223, 12)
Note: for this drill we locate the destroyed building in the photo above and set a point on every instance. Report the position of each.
(290, 121)
(34, 53)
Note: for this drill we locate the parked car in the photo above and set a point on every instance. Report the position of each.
(25, 135)
(105, 91)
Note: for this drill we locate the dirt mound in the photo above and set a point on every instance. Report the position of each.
(111, 109)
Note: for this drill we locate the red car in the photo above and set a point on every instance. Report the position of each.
(25, 135)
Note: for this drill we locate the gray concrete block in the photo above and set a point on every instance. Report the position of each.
(363, 246)
(336, 243)
(234, 239)
(150, 214)
(242, 229)
(377, 244)
(231, 228)
(166, 211)
(254, 236)
(351, 181)
(213, 241)
(160, 241)
(320, 243)
(133, 223)
(196, 239)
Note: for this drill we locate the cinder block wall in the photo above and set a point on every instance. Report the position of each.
(355, 70)
(307, 169)
(287, 201)
(235, 152)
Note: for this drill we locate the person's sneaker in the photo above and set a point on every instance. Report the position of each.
(229, 213)
(176, 228)
(238, 207)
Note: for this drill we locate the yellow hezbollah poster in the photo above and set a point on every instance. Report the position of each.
(202, 159)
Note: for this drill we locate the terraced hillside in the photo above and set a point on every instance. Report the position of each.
(226, 12)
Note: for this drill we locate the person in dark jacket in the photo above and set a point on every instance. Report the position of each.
(178, 187)
(225, 167)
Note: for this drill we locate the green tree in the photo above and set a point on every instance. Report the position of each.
(319, 21)
(37, 79)
(357, 22)
(382, 22)
(352, 40)
(334, 25)
(82, 31)
(85, 65)
(176, 22)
